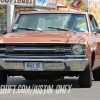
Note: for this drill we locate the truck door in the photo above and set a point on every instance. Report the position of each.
(96, 41)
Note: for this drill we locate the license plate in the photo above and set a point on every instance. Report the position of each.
(33, 66)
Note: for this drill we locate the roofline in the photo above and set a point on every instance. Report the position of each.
(38, 12)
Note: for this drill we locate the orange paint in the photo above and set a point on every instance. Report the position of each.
(91, 40)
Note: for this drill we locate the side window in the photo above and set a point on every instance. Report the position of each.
(93, 23)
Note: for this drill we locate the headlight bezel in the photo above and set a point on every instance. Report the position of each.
(76, 45)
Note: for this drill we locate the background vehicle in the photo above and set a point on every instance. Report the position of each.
(51, 45)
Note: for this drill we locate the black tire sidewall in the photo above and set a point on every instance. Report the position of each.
(85, 77)
(96, 74)
(3, 78)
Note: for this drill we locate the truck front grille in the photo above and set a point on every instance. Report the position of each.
(36, 49)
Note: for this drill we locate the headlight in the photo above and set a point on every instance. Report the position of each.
(77, 49)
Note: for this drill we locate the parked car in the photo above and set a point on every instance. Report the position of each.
(51, 45)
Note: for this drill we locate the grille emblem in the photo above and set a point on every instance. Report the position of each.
(9, 48)
(59, 49)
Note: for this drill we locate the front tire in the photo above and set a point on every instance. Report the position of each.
(85, 77)
(3, 78)
(96, 74)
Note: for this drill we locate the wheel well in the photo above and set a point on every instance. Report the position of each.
(93, 58)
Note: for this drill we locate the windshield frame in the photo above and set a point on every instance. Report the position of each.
(10, 29)
(18, 16)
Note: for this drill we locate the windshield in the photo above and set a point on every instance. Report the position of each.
(34, 22)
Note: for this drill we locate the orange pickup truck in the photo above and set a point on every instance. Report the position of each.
(51, 45)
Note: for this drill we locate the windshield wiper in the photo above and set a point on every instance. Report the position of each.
(30, 29)
(62, 29)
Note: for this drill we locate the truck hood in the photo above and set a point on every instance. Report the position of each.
(45, 37)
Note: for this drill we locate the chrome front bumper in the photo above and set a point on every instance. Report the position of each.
(49, 64)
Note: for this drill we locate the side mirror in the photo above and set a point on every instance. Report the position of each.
(97, 29)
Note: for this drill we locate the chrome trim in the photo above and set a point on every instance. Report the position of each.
(84, 49)
(2, 54)
(43, 56)
(20, 49)
(49, 64)
(55, 60)
(44, 42)
(24, 49)
(3, 49)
